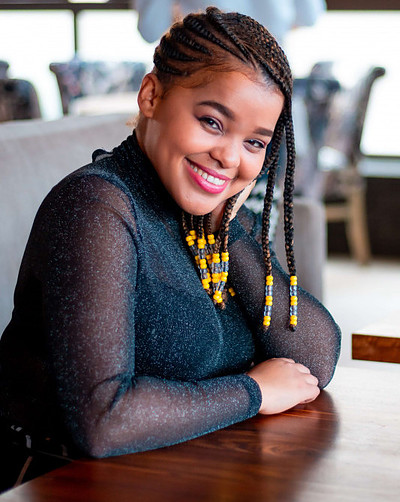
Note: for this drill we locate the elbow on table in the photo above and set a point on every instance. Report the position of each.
(93, 445)
(104, 440)
(327, 368)
(94, 440)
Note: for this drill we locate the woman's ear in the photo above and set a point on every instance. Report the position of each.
(149, 95)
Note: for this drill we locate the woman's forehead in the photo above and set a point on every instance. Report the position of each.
(231, 84)
(204, 78)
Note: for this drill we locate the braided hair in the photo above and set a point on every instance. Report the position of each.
(223, 41)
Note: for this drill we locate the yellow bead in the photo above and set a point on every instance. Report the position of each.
(268, 300)
(201, 243)
(267, 320)
(293, 320)
(206, 283)
(225, 256)
(216, 258)
(215, 278)
(293, 300)
(269, 280)
(218, 296)
(232, 291)
(197, 259)
(293, 280)
(211, 239)
(193, 233)
(224, 276)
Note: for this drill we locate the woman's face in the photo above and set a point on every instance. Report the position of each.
(208, 143)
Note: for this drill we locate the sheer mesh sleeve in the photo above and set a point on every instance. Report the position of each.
(89, 276)
(316, 341)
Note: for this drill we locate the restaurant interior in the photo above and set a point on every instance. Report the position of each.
(69, 75)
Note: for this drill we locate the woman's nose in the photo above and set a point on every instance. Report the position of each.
(227, 153)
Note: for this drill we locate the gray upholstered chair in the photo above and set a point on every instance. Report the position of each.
(18, 100)
(77, 79)
(329, 170)
(344, 189)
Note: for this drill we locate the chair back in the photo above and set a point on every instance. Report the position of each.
(77, 78)
(3, 69)
(346, 119)
(18, 100)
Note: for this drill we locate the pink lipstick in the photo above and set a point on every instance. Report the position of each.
(206, 178)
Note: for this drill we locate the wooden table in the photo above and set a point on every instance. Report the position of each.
(379, 341)
(343, 447)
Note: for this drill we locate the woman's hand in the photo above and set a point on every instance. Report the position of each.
(283, 384)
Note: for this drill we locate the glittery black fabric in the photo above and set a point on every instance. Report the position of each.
(114, 345)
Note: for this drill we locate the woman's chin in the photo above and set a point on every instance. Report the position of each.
(198, 208)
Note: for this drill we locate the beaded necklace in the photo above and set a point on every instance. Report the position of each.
(212, 264)
(213, 267)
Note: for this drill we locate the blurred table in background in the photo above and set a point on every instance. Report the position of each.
(379, 341)
(382, 178)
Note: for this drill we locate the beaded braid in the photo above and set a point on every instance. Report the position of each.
(269, 280)
(202, 41)
(288, 217)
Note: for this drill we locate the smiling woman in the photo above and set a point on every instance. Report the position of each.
(143, 311)
(207, 143)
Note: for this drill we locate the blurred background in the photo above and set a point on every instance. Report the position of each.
(71, 57)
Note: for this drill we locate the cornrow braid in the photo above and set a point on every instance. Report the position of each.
(165, 67)
(193, 23)
(181, 37)
(168, 45)
(216, 18)
(214, 40)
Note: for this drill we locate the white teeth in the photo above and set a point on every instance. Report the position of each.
(208, 177)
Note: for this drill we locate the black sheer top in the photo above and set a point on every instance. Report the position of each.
(114, 345)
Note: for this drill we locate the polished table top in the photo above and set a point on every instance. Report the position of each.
(343, 447)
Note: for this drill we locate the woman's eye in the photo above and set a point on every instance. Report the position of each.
(210, 122)
(260, 145)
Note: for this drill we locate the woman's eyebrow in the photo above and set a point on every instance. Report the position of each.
(264, 132)
(220, 107)
(231, 116)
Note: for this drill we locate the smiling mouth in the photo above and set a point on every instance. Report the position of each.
(208, 177)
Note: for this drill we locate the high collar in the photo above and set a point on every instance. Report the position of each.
(140, 172)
